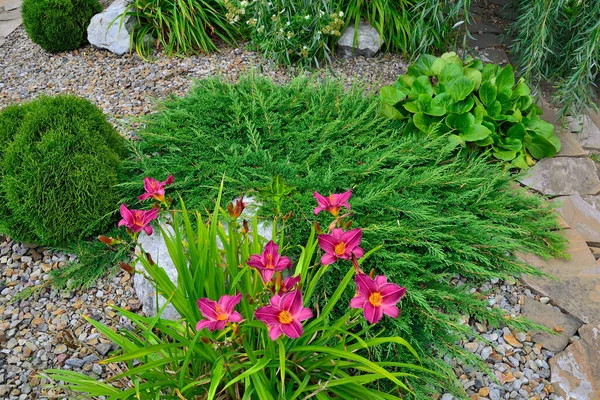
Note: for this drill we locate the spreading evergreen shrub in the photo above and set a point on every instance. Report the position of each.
(58, 25)
(437, 214)
(58, 172)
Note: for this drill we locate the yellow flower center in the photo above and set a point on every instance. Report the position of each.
(340, 248)
(285, 317)
(375, 299)
(269, 262)
(221, 316)
(153, 184)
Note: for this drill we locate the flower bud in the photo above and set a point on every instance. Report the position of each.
(107, 240)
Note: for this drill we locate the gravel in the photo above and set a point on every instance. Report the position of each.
(519, 365)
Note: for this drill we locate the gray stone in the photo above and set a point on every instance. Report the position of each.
(588, 132)
(493, 55)
(484, 41)
(368, 41)
(479, 25)
(107, 31)
(576, 284)
(103, 348)
(75, 362)
(581, 216)
(576, 371)
(155, 246)
(543, 314)
(555, 177)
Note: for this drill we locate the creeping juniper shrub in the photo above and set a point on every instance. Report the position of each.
(59, 171)
(437, 214)
(58, 25)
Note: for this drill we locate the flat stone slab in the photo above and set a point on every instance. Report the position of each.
(493, 55)
(581, 216)
(592, 200)
(563, 176)
(576, 371)
(484, 40)
(570, 146)
(551, 318)
(587, 132)
(576, 284)
(10, 5)
(7, 27)
(479, 25)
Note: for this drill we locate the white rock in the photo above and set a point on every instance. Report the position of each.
(107, 32)
(368, 41)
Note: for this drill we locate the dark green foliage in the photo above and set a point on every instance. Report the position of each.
(58, 25)
(411, 27)
(59, 172)
(437, 215)
(473, 105)
(559, 41)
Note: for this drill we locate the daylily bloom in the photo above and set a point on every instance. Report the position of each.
(284, 315)
(155, 189)
(340, 244)
(288, 284)
(218, 313)
(332, 203)
(269, 261)
(136, 220)
(376, 297)
(236, 210)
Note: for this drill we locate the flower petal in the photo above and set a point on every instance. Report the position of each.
(255, 261)
(148, 229)
(391, 311)
(217, 325)
(268, 314)
(352, 238)
(266, 274)
(235, 317)
(283, 263)
(304, 314)
(228, 302)
(357, 302)
(274, 331)
(292, 330)
(327, 243)
(208, 308)
(202, 324)
(373, 314)
(150, 215)
(144, 196)
(380, 280)
(342, 198)
(365, 286)
(292, 302)
(126, 213)
(169, 180)
(321, 200)
(358, 252)
(391, 293)
(328, 259)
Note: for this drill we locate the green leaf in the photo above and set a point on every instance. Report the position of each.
(489, 72)
(463, 106)
(422, 85)
(454, 141)
(450, 72)
(460, 88)
(479, 113)
(513, 144)
(438, 66)
(484, 142)
(539, 146)
(422, 121)
(487, 93)
(495, 109)
(473, 75)
(516, 131)
(541, 127)
(521, 90)
(504, 155)
(475, 133)
(216, 374)
(452, 58)
(422, 66)
(391, 95)
(411, 106)
(391, 112)
(461, 122)
(505, 80)
(436, 107)
(504, 100)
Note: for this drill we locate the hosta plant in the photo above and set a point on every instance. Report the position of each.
(474, 105)
(246, 331)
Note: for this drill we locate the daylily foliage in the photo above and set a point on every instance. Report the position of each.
(246, 328)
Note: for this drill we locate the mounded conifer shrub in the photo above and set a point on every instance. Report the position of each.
(58, 170)
(58, 25)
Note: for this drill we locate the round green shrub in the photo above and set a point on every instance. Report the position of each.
(58, 25)
(59, 172)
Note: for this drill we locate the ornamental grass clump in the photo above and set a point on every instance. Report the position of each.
(58, 25)
(58, 170)
(246, 331)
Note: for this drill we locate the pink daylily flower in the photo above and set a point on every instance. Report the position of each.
(288, 284)
(269, 261)
(376, 297)
(284, 315)
(332, 203)
(218, 313)
(137, 220)
(155, 189)
(340, 244)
